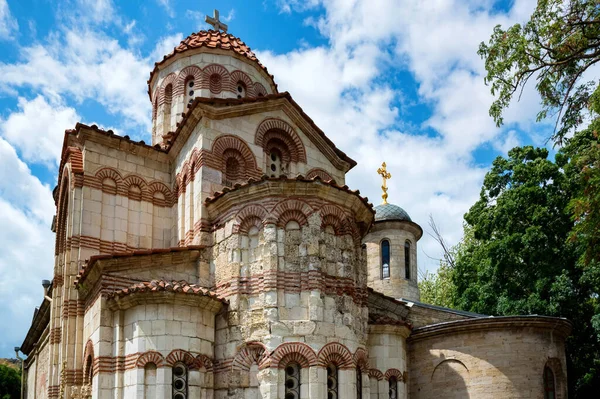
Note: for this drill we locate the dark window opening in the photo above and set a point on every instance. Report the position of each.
(385, 259)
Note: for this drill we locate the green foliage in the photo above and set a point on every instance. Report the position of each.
(437, 288)
(556, 47)
(10, 382)
(522, 254)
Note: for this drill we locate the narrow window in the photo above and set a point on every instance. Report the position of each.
(89, 368)
(292, 381)
(332, 382)
(358, 383)
(274, 164)
(188, 89)
(393, 388)
(385, 259)
(241, 90)
(167, 108)
(407, 259)
(549, 388)
(180, 381)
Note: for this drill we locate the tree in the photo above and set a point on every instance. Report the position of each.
(10, 382)
(522, 259)
(558, 47)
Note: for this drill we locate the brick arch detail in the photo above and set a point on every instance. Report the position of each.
(361, 359)
(150, 357)
(334, 216)
(298, 352)
(335, 353)
(251, 353)
(184, 75)
(169, 79)
(180, 355)
(211, 70)
(259, 90)
(203, 361)
(393, 373)
(290, 209)
(239, 76)
(248, 217)
(226, 142)
(87, 352)
(318, 172)
(374, 373)
(275, 128)
(158, 187)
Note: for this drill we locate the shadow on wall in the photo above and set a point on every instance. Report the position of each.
(450, 378)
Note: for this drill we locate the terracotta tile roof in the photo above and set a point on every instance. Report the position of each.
(166, 286)
(282, 178)
(211, 39)
(172, 136)
(84, 271)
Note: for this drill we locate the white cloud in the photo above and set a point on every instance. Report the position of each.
(8, 24)
(168, 7)
(26, 244)
(37, 129)
(340, 87)
(165, 45)
(85, 65)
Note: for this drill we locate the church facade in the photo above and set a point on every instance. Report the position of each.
(228, 259)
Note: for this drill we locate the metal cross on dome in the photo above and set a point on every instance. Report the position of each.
(214, 21)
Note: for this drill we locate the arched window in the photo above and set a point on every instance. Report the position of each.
(407, 259)
(549, 386)
(89, 370)
(180, 381)
(385, 259)
(292, 381)
(358, 383)
(393, 387)
(167, 108)
(332, 382)
(241, 90)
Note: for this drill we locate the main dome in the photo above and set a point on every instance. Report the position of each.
(214, 40)
(390, 212)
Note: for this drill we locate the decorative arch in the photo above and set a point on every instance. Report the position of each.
(203, 361)
(179, 355)
(361, 359)
(253, 352)
(374, 373)
(158, 187)
(131, 182)
(183, 76)
(150, 357)
(278, 130)
(239, 76)
(249, 216)
(88, 361)
(333, 216)
(318, 172)
(168, 80)
(291, 209)
(215, 78)
(393, 373)
(335, 353)
(226, 142)
(62, 212)
(259, 90)
(293, 352)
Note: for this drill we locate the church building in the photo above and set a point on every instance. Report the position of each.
(228, 259)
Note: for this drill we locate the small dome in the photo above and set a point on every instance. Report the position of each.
(390, 212)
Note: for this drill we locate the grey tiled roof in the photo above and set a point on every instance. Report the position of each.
(390, 212)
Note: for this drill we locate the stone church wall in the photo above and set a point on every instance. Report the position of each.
(486, 358)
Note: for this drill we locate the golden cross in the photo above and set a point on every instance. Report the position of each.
(214, 21)
(385, 175)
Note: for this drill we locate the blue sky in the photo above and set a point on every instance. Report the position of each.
(387, 80)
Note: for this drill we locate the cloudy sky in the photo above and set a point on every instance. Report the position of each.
(393, 80)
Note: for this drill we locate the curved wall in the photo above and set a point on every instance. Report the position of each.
(500, 357)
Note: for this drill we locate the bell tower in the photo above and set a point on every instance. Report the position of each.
(207, 64)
